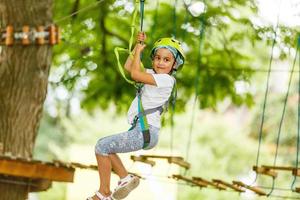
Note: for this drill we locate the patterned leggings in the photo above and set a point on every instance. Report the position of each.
(128, 141)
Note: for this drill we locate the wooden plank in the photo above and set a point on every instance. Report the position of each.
(296, 172)
(180, 162)
(82, 166)
(265, 171)
(213, 184)
(254, 189)
(234, 187)
(142, 159)
(179, 177)
(161, 157)
(171, 159)
(283, 168)
(36, 170)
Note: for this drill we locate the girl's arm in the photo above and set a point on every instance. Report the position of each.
(129, 60)
(141, 37)
(136, 72)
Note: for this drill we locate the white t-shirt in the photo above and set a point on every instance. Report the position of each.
(153, 97)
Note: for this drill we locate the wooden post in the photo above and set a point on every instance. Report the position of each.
(9, 40)
(40, 39)
(52, 35)
(25, 39)
(57, 35)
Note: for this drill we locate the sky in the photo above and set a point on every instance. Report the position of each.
(289, 11)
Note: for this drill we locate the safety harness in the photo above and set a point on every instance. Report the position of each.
(141, 117)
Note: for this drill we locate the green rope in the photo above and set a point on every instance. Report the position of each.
(117, 50)
(197, 79)
(282, 117)
(298, 129)
(265, 100)
(174, 20)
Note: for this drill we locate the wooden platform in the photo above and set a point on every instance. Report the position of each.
(40, 174)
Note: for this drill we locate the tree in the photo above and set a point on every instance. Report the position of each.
(24, 74)
(228, 49)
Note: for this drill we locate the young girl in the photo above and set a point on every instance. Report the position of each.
(167, 55)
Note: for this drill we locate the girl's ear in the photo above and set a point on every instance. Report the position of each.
(174, 65)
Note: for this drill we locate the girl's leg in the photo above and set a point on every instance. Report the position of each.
(104, 169)
(118, 166)
(106, 149)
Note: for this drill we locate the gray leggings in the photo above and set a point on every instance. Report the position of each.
(128, 141)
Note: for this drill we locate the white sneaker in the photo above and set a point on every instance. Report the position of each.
(100, 196)
(125, 186)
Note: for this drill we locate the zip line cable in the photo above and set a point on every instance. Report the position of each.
(266, 96)
(79, 11)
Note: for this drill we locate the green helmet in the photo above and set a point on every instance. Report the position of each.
(169, 42)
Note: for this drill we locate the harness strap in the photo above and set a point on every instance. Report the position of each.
(151, 110)
(141, 116)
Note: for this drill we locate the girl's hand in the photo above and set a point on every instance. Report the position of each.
(139, 47)
(141, 37)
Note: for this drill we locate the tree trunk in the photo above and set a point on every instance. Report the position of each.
(23, 86)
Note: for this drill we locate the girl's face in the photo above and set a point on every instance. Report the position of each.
(163, 61)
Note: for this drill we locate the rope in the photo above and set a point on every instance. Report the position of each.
(142, 5)
(201, 38)
(266, 96)
(120, 49)
(174, 20)
(298, 131)
(282, 117)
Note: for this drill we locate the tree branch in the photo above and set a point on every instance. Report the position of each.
(75, 9)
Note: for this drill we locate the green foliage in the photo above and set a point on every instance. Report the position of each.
(89, 38)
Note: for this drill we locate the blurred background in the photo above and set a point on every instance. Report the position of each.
(239, 66)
